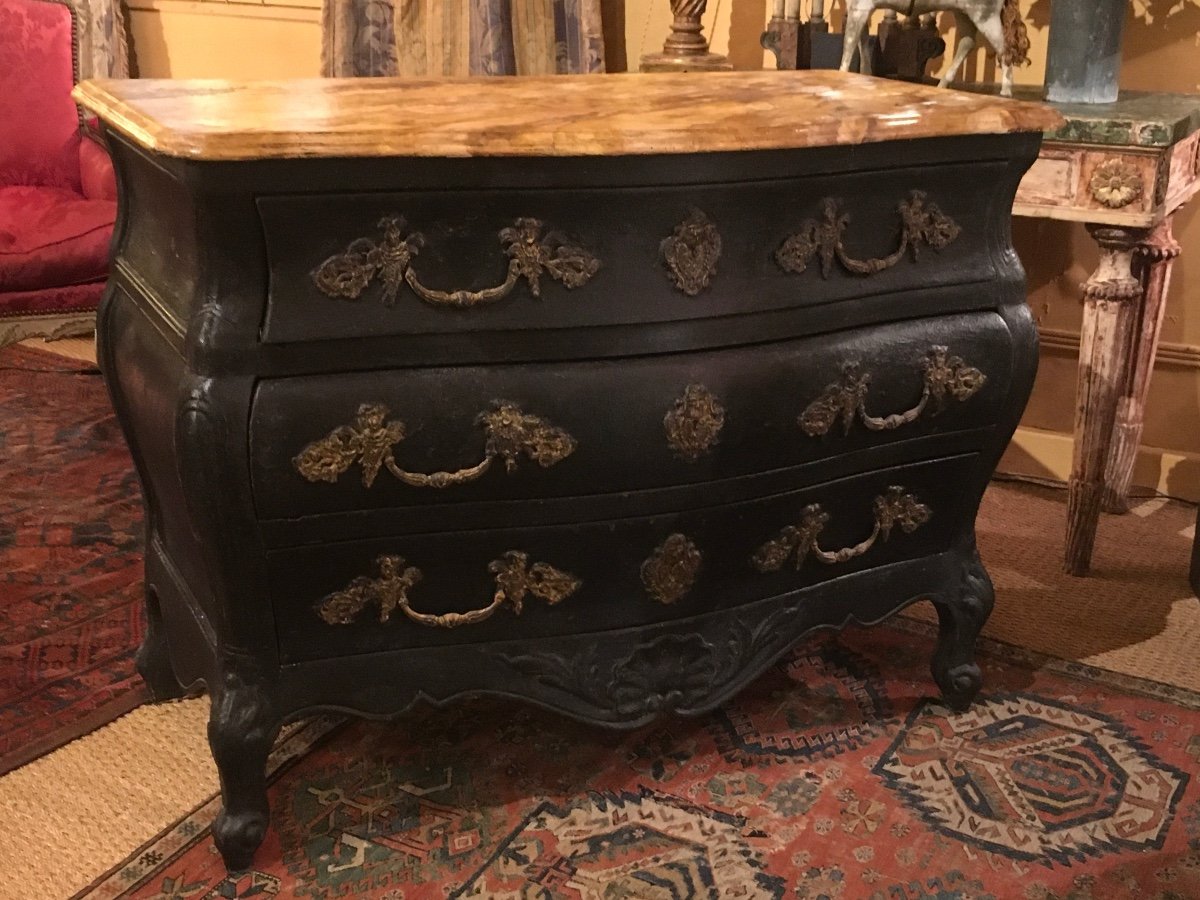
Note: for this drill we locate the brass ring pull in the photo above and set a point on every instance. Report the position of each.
(369, 442)
(515, 580)
(896, 507)
(531, 254)
(921, 224)
(945, 376)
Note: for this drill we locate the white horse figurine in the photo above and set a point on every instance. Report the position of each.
(999, 21)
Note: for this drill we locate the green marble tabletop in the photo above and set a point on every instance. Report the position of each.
(1137, 119)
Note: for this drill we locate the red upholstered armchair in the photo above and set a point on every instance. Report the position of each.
(57, 190)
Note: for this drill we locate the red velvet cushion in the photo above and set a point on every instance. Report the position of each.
(50, 237)
(39, 123)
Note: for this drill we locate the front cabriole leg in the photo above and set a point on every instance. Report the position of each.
(962, 613)
(242, 727)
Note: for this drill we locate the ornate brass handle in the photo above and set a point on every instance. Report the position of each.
(944, 376)
(531, 254)
(515, 579)
(511, 434)
(896, 507)
(921, 224)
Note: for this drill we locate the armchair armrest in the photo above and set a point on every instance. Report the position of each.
(95, 168)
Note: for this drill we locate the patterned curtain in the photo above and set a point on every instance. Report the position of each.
(358, 38)
(462, 37)
(103, 39)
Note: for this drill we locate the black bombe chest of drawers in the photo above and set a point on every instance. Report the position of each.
(598, 392)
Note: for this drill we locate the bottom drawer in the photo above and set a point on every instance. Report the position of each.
(508, 584)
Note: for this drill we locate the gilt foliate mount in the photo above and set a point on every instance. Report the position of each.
(922, 224)
(532, 252)
(514, 577)
(945, 377)
(370, 440)
(896, 507)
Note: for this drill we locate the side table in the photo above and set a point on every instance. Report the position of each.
(1124, 169)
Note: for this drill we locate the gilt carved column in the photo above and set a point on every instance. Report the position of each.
(1157, 257)
(686, 47)
(1110, 298)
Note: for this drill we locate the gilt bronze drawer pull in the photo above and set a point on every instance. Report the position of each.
(530, 255)
(510, 432)
(945, 376)
(896, 507)
(921, 224)
(515, 579)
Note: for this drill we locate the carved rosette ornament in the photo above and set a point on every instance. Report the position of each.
(670, 572)
(922, 224)
(945, 377)
(515, 580)
(799, 542)
(1116, 183)
(531, 254)
(510, 434)
(692, 252)
(694, 425)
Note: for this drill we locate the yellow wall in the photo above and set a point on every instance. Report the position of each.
(219, 39)
(216, 38)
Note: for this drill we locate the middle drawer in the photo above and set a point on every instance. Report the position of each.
(326, 444)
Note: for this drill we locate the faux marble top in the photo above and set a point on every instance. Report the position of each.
(1137, 119)
(590, 115)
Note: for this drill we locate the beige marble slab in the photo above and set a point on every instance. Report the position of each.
(588, 115)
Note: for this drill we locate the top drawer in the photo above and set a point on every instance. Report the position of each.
(360, 265)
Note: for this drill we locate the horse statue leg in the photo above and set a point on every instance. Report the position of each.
(992, 30)
(858, 16)
(966, 43)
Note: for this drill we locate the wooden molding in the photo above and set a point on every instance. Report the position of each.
(288, 10)
(1042, 454)
(1063, 340)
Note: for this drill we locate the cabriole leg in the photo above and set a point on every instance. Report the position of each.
(961, 616)
(241, 731)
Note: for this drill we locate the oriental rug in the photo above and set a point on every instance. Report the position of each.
(834, 777)
(70, 557)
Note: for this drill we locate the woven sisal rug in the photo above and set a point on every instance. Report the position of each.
(834, 776)
(70, 557)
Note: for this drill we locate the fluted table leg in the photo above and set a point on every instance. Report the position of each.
(1157, 255)
(1109, 297)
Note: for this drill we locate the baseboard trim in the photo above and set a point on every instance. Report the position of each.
(1063, 340)
(1047, 454)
